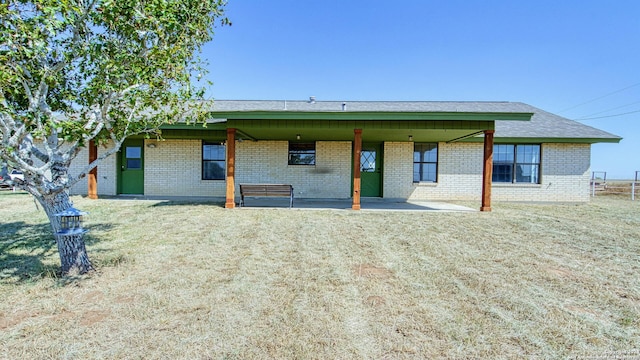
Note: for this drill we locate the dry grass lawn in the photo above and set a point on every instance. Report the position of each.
(195, 281)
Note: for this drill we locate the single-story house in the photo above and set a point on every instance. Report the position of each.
(507, 151)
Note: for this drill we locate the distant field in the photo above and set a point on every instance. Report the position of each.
(196, 281)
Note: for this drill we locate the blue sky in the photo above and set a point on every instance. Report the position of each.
(578, 59)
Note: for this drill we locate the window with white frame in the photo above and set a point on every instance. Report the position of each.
(425, 162)
(516, 163)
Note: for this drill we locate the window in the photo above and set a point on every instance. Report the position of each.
(133, 154)
(516, 163)
(425, 162)
(368, 160)
(302, 153)
(213, 161)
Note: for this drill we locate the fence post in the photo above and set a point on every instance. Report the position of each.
(594, 181)
(633, 191)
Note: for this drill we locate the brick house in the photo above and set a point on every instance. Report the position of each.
(403, 150)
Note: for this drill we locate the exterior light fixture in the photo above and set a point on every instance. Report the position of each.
(410, 137)
(151, 146)
(297, 136)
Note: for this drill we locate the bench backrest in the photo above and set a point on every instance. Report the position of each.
(266, 189)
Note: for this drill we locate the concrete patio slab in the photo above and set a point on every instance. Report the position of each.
(367, 204)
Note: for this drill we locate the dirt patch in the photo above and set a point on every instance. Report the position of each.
(91, 317)
(125, 299)
(371, 271)
(63, 315)
(15, 319)
(93, 296)
(375, 301)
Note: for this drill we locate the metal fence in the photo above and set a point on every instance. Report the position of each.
(600, 184)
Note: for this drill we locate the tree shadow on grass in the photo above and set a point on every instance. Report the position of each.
(159, 201)
(22, 250)
(25, 249)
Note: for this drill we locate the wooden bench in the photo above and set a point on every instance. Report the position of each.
(266, 190)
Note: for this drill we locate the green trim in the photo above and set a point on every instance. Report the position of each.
(373, 131)
(526, 140)
(355, 116)
(118, 156)
(196, 126)
(281, 124)
(216, 132)
(465, 136)
(371, 183)
(141, 136)
(131, 179)
(212, 135)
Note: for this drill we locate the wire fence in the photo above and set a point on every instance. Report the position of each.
(600, 185)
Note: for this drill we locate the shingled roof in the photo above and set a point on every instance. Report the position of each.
(543, 125)
(546, 125)
(370, 106)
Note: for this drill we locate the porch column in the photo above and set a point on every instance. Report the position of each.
(231, 169)
(93, 173)
(487, 171)
(357, 149)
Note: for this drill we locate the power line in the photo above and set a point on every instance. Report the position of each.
(598, 98)
(615, 108)
(609, 116)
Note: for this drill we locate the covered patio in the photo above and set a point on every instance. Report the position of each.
(251, 140)
(359, 123)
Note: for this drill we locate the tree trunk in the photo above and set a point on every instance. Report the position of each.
(71, 247)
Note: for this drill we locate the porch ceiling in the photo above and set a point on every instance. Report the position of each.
(369, 135)
(372, 131)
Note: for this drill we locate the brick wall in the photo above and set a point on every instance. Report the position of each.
(459, 172)
(174, 168)
(565, 174)
(565, 177)
(106, 173)
(397, 168)
(267, 162)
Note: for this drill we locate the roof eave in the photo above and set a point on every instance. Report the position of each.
(539, 140)
(371, 115)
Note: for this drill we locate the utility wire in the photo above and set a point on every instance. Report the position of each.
(608, 116)
(598, 98)
(615, 108)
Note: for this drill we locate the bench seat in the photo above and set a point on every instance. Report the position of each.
(266, 190)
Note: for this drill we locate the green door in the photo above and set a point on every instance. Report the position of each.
(132, 167)
(371, 170)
